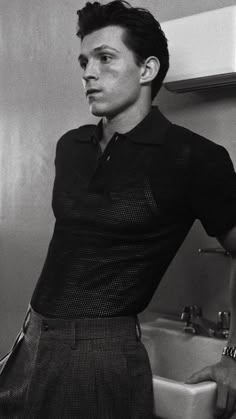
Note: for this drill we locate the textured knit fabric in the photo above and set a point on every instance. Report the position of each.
(121, 215)
(83, 369)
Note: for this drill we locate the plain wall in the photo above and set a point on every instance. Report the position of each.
(41, 98)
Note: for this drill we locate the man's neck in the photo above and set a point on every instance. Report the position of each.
(123, 122)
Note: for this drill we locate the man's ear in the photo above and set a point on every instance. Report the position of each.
(149, 69)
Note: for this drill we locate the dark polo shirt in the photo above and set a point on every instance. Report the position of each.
(121, 215)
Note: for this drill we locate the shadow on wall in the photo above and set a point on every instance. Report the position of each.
(179, 102)
(194, 278)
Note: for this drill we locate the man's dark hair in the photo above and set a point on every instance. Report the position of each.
(143, 34)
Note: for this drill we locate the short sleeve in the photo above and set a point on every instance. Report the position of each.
(213, 188)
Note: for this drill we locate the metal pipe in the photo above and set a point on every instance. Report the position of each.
(214, 250)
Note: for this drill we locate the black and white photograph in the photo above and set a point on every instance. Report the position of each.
(118, 209)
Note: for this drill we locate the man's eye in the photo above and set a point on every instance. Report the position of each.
(105, 58)
(83, 64)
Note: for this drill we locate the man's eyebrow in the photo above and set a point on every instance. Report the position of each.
(99, 49)
(104, 46)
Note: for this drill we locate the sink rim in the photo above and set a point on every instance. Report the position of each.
(186, 399)
(174, 328)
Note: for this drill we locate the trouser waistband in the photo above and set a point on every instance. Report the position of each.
(86, 328)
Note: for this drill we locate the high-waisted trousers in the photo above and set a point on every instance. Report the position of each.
(89, 368)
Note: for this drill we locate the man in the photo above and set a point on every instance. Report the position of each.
(126, 194)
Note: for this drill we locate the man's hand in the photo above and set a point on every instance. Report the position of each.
(224, 374)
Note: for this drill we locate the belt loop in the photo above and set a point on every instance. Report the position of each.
(138, 328)
(73, 335)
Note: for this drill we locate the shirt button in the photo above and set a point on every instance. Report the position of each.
(45, 327)
(108, 158)
(116, 137)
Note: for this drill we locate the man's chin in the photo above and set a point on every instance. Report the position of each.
(101, 111)
(97, 110)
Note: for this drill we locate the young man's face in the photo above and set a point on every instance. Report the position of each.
(111, 77)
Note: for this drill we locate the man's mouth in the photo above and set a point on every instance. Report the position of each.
(92, 91)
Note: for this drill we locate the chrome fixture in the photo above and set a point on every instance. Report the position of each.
(195, 323)
(215, 250)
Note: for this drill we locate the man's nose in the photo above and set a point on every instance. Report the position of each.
(91, 71)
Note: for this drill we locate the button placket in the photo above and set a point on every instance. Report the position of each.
(103, 158)
(116, 139)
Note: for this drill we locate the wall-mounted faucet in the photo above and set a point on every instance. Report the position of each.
(196, 324)
(192, 315)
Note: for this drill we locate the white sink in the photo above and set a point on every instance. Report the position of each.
(174, 355)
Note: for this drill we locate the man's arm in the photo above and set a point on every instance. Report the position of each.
(224, 372)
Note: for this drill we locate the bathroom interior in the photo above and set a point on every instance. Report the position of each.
(42, 98)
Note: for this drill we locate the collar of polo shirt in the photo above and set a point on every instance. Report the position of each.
(151, 130)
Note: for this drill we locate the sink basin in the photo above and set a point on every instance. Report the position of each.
(175, 355)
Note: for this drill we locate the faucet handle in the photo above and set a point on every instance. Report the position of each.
(186, 314)
(189, 312)
(223, 320)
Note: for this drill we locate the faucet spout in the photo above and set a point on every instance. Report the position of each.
(205, 327)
